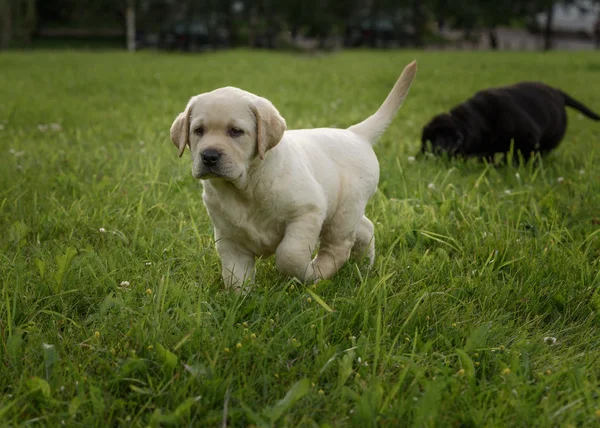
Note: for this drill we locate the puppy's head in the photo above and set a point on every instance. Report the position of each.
(442, 135)
(227, 130)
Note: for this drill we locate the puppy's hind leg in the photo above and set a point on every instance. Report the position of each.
(338, 239)
(364, 246)
(334, 252)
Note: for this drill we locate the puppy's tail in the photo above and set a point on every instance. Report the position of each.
(374, 126)
(571, 102)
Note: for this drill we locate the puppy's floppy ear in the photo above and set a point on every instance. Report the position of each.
(180, 130)
(270, 126)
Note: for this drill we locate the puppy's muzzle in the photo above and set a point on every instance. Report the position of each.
(210, 157)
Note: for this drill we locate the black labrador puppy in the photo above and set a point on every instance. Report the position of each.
(529, 113)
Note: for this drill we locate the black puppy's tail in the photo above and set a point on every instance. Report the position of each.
(571, 102)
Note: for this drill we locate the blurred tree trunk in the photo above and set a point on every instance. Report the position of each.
(6, 23)
(231, 24)
(418, 22)
(252, 23)
(130, 25)
(493, 38)
(29, 21)
(548, 28)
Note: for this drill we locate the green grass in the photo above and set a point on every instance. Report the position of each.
(476, 265)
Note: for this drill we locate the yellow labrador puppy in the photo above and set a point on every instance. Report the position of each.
(271, 191)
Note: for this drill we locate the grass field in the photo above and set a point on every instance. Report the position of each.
(112, 311)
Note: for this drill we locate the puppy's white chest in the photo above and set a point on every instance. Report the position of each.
(249, 225)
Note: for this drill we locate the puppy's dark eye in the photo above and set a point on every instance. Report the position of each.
(235, 132)
(199, 131)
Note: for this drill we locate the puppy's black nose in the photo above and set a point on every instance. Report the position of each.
(210, 157)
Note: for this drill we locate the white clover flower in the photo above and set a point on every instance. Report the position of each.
(55, 126)
(124, 284)
(431, 186)
(560, 179)
(549, 340)
(148, 263)
(102, 230)
(581, 172)
(412, 158)
(507, 191)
